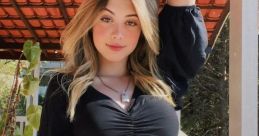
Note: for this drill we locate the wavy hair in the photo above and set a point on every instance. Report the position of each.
(81, 58)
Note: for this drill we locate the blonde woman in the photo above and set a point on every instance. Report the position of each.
(110, 84)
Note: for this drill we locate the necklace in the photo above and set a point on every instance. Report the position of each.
(124, 96)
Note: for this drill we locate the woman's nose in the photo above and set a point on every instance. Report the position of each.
(117, 32)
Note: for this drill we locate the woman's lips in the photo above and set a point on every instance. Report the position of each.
(115, 47)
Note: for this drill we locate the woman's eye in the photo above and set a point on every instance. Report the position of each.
(131, 23)
(106, 19)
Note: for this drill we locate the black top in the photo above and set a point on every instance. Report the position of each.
(183, 41)
(98, 115)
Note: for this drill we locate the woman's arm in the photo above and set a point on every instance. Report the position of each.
(54, 121)
(184, 40)
(181, 2)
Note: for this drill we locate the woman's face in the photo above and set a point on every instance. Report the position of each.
(116, 31)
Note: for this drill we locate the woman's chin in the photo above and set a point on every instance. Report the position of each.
(115, 59)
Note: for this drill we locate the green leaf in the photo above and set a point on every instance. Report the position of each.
(17, 131)
(33, 115)
(32, 53)
(2, 122)
(30, 85)
(28, 131)
(35, 56)
(27, 49)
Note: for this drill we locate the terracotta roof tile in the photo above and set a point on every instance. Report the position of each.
(7, 23)
(3, 13)
(11, 12)
(47, 23)
(204, 2)
(40, 33)
(26, 33)
(19, 23)
(59, 23)
(4, 33)
(220, 3)
(44, 20)
(71, 11)
(16, 33)
(214, 14)
(28, 12)
(35, 23)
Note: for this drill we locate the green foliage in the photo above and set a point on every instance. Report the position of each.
(7, 67)
(17, 132)
(30, 84)
(206, 106)
(2, 119)
(28, 131)
(21, 107)
(7, 70)
(33, 116)
(32, 53)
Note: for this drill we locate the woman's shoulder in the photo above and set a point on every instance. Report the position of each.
(58, 85)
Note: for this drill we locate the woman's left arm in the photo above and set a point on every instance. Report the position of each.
(183, 39)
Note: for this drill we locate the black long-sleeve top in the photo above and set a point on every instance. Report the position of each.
(98, 115)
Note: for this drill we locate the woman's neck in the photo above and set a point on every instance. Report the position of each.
(113, 69)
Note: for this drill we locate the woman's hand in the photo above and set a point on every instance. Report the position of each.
(181, 2)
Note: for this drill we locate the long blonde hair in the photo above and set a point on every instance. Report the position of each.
(81, 59)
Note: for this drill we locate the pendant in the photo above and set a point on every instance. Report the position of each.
(125, 98)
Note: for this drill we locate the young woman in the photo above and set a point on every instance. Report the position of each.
(110, 84)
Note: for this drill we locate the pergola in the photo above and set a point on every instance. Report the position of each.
(44, 20)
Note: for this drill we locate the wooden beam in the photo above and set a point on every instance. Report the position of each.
(11, 52)
(211, 6)
(51, 57)
(211, 20)
(243, 69)
(20, 46)
(63, 10)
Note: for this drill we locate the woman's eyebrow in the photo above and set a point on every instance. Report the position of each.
(130, 15)
(109, 10)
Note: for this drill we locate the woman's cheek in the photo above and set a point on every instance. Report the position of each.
(100, 30)
(134, 37)
(100, 35)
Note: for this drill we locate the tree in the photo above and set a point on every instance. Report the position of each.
(205, 112)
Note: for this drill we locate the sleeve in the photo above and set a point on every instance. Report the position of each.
(184, 42)
(54, 121)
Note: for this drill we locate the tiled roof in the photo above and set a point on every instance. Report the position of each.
(44, 20)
